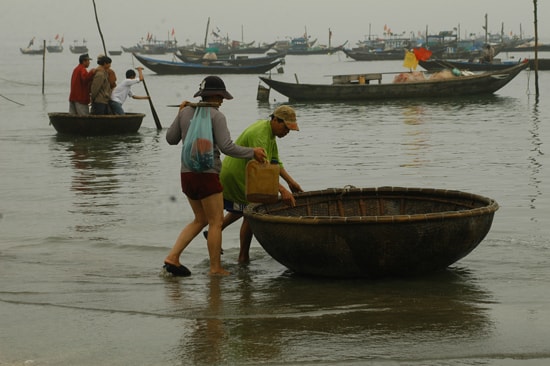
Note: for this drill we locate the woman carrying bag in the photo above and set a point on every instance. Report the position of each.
(203, 188)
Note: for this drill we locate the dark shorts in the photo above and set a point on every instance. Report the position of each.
(197, 186)
(234, 207)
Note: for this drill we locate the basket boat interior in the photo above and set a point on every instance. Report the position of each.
(379, 204)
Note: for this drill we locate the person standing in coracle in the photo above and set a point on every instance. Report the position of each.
(81, 79)
(124, 90)
(101, 88)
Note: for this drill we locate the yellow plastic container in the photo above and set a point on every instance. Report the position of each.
(262, 182)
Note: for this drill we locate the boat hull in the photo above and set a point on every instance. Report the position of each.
(543, 64)
(78, 49)
(314, 51)
(372, 232)
(238, 61)
(28, 51)
(54, 49)
(96, 125)
(486, 83)
(435, 65)
(366, 55)
(163, 67)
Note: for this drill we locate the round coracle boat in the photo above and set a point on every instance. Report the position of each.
(372, 232)
(96, 125)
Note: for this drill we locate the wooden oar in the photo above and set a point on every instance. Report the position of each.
(153, 111)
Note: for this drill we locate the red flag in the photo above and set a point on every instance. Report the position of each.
(173, 32)
(422, 54)
(57, 36)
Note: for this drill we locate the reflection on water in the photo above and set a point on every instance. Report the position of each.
(258, 320)
(534, 157)
(417, 138)
(99, 168)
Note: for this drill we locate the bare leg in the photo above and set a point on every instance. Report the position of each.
(230, 218)
(213, 208)
(188, 233)
(246, 240)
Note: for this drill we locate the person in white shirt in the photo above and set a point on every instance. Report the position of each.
(123, 91)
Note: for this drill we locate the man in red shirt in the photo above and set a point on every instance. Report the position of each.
(79, 98)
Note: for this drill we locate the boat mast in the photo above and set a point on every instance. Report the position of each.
(485, 27)
(206, 35)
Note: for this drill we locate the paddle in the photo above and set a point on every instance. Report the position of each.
(153, 111)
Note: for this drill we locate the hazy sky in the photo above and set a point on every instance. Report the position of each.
(124, 22)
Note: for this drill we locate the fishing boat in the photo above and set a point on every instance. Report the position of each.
(78, 48)
(372, 232)
(366, 87)
(153, 47)
(543, 64)
(56, 48)
(236, 61)
(30, 50)
(374, 55)
(440, 64)
(526, 47)
(250, 49)
(163, 67)
(301, 46)
(96, 125)
(199, 53)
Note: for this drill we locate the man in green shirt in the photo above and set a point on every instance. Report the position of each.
(262, 133)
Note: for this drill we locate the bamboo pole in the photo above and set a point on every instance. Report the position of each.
(536, 49)
(43, 65)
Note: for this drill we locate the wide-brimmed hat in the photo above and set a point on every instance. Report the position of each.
(213, 85)
(288, 115)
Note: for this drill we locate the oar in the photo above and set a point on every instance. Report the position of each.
(153, 111)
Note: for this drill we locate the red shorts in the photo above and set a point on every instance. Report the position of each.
(197, 186)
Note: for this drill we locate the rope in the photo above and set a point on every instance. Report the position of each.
(11, 100)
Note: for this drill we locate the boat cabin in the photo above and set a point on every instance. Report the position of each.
(356, 78)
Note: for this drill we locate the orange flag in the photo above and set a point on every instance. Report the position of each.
(422, 54)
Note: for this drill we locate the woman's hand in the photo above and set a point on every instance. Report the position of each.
(183, 104)
(259, 154)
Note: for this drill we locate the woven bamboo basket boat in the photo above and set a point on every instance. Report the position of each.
(372, 232)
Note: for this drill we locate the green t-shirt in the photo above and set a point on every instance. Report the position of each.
(233, 173)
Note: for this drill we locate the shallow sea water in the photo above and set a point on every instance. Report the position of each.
(85, 224)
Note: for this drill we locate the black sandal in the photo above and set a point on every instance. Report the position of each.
(180, 271)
